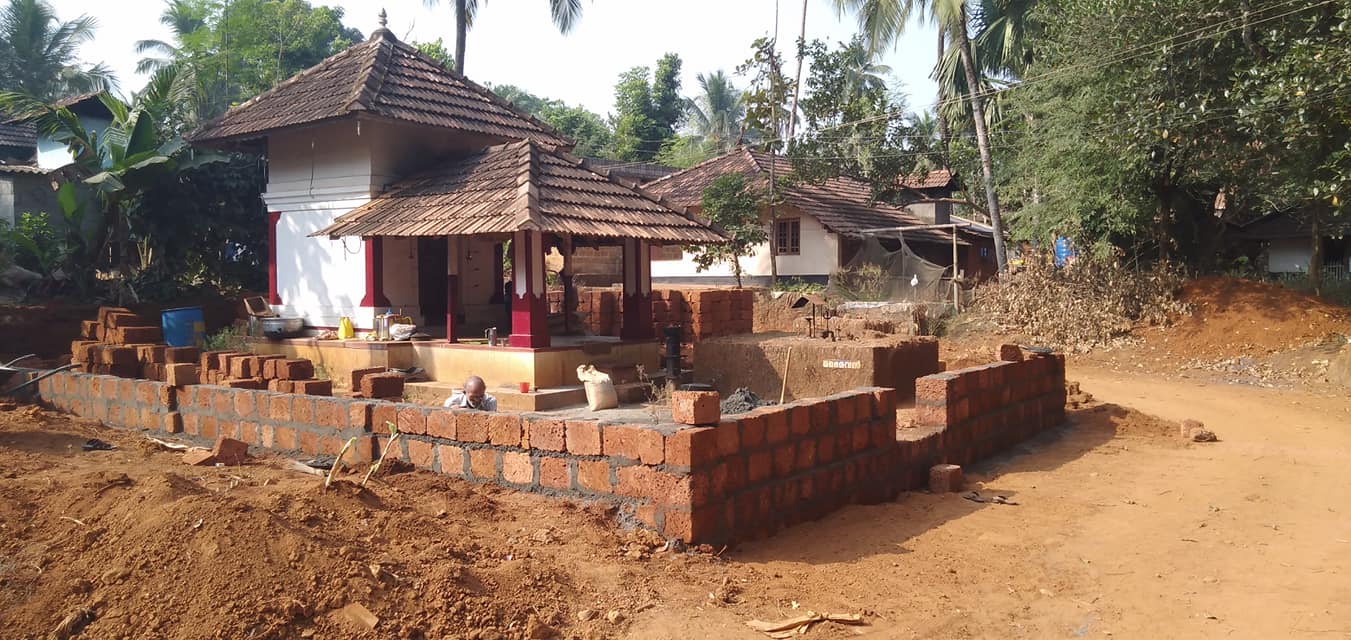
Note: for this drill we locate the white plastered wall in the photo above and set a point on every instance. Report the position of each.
(819, 256)
(1289, 255)
(315, 175)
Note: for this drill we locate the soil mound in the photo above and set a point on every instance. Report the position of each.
(1233, 316)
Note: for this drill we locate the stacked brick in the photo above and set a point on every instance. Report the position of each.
(123, 344)
(239, 370)
(705, 313)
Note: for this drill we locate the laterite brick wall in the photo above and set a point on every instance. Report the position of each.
(705, 313)
(744, 478)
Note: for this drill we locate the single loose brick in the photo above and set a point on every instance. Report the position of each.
(181, 375)
(181, 355)
(696, 407)
(382, 385)
(139, 335)
(295, 369)
(230, 451)
(945, 478)
(314, 387)
(244, 383)
(358, 374)
(281, 386)
(151, 353)
(118, 356)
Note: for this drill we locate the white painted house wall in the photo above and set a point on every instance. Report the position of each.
(1289, 255)
(319, 173)
(54, 155)
(819, 257)
(315, 175)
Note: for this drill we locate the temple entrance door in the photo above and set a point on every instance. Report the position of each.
(431, 280)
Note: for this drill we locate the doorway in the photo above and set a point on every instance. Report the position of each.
(433, 258)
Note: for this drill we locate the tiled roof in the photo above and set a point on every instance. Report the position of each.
(935, 179)
(517, 186)
(843, 205)
(17, 134)
(381, 78)
(640, 171)
(27, 169)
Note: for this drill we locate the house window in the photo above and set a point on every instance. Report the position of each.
(788, 236)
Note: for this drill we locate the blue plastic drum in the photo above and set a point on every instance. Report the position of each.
(185, 327)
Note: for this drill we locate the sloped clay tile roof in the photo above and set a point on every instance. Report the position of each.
(382, 78)
(22, 168)
(517, 186)
(935, 179)
(843, 205)
(17, 134)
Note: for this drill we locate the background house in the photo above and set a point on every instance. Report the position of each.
(1287, 240)
(818, 229)
(27, 158)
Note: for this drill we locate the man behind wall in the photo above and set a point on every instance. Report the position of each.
(474, 395)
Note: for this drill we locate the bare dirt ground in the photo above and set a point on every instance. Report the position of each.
(1119, 530)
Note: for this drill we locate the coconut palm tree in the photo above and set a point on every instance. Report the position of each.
(883, 21)
(863, 74)
(182, 19)
(39, 54)
(716, 114)
(565, 14)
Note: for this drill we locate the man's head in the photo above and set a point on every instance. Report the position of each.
(474, 390)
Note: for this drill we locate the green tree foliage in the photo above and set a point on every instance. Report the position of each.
(236, 49)
(436, 50)
(733, 207)
(648, 109)
(588, 129)
(1132, 140)
(39, 54)
(766, 100)
(854, 124)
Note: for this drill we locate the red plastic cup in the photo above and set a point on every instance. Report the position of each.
(525, 387)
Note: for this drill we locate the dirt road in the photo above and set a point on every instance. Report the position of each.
(1120, 530)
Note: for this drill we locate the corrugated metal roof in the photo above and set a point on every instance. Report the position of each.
(842, 204)
(517, 186)
(382, 78)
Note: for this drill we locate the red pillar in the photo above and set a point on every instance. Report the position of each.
(273, 218)
(637, 291)
(529, 304)
(375, 273)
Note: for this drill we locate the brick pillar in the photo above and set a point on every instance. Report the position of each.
(375, 273)
(273, 296)
(637, 290)
(529, 304)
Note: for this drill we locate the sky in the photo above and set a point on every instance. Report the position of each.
(514, 41)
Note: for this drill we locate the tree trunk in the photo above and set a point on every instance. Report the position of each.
(1316, 251)
(982, 139)
(797, 84)
(938, 107)
(461, 29)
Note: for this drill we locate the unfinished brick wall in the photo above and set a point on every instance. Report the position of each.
(705, 313)
(756, 473)
(969, 414)
(744, 478)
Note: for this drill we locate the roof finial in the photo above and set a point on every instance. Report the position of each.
(383, 18)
